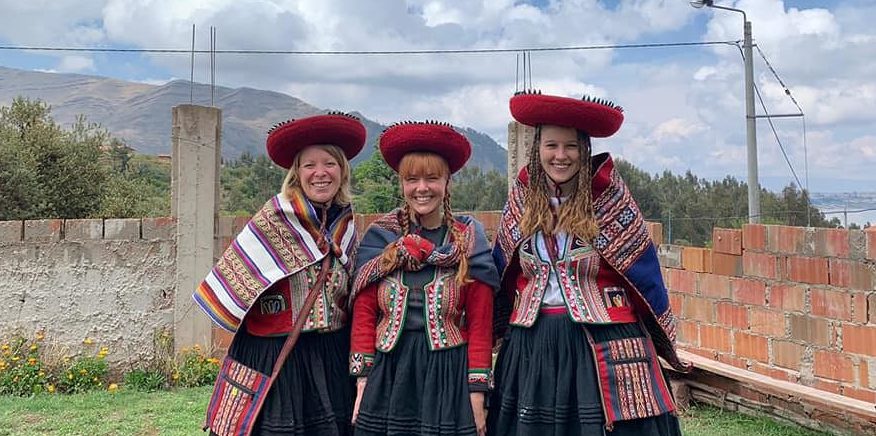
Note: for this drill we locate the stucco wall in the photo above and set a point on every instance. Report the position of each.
(109, 280)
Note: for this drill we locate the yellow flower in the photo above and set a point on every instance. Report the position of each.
(104, 350)
(50, 389)
(69, 376)
(5, 347)
(95, 380)
(87, 341)
(32, 361)
(15, 358)
(175, 376)
(213, 360)
(33, 347)
(40, 336)
(41, 373)
(83, 372)
(112, 388)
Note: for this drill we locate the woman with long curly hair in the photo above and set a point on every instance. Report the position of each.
(582, 308)
(423, 298)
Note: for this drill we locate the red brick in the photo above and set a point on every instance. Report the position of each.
(748, 291)
(831, 304)
(871, 308)
(239, 222)
(730, 359)
(754, 237)
(654, 229)
(221, 339)
(834, 366)
(727, 241)
(751, 347)
(851, 274)
(688, 333)
(715, 286)
(727, 264)
(787, 354)
(733, 315)
(696, 259)
(863, 374)
(708, 354)
(699, 309)
(807, 270)
(759, 265)
(860, 394)
(776, 373)
(676, 302)
(716, 338)
(159, 228)
(859, 307)
(680, 280)
(870, 235)
(828, 386)
(785, 239)
(787, 297)
(859, 339)
(832, 242)
(767, 322)
(814, 331)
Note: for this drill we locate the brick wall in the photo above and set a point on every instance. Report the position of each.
(791, 303)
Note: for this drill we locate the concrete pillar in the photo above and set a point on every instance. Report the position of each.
(520, 138)
(196, 144)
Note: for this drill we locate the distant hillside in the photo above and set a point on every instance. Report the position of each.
(140, 114)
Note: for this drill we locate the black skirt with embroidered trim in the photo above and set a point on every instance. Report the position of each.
(313, 394)
(546, 383)
(415, 391)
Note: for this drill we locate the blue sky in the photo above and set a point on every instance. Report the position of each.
(683, 105)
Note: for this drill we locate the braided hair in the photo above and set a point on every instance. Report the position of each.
(414, 163)
(576, 215)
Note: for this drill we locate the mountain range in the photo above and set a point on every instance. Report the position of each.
(140, 114)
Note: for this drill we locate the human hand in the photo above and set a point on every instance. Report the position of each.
(480, 415)
(360, 389)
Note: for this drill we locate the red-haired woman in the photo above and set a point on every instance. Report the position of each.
(297, 249)
(422, 298)
(581, 289)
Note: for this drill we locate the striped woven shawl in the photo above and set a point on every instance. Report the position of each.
(281, 239)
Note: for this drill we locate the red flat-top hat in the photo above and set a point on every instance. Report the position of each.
(597, 117)
(429, 136)
(288, 138)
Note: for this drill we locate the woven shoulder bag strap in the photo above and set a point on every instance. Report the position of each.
(305, 310)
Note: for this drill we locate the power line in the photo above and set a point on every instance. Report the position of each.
(364, 52)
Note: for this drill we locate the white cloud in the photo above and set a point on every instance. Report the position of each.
(75, 64)
(684, 107)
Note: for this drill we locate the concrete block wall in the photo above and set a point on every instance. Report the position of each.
(109, 280)
(792, 303)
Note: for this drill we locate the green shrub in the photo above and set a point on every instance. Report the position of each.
(145, 380)
(21, 370)
(194, 368)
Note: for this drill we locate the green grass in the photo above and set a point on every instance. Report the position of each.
(710, 421)
(181, 412)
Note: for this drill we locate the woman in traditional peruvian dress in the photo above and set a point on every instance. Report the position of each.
(423, 299)
(581, 289)
(259, 287)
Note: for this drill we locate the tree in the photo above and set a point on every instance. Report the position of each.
(473, 190)
(375, 186)
(248, 182)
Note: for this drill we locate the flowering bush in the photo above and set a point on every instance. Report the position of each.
(194, 368)
(21, 371)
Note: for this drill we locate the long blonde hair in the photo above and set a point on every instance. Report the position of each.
(291, 182)
(424, 163)
(576, 215)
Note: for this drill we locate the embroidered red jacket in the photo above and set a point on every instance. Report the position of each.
(379, 317)
(275, 310)
(592, 290)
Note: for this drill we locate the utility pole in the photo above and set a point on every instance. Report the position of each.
(750, 117)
